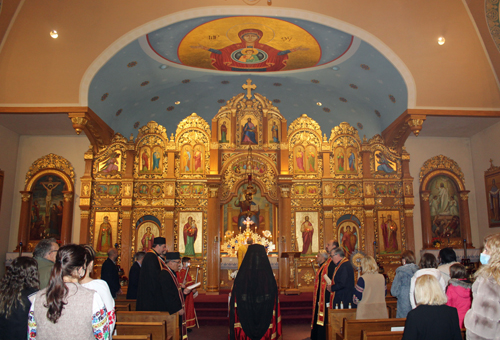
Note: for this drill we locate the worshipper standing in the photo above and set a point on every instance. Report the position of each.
(109, 273)
(432, 319)
(134, 274)
(342, 287)
(172, 294)
(321, 296)
(254, 311)
(370, 292)
(45, 254)
(447, 257)
(428, 266)
(100, 286)
(400, 288)
(185, 279)
(459, 292)
(149, 285)
(481, 320)
(242, 250)
(66, 310)
(19, 282)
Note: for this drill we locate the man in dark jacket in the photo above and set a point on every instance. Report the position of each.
(135, 271)
(342, 287)
(109, 272)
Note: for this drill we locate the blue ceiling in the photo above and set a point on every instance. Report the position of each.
(353, 81)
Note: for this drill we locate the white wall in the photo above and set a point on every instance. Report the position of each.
(485, 146)
(9, 142)
(32, 148)
(458, 149)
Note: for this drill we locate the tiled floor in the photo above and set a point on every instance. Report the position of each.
(290, 332)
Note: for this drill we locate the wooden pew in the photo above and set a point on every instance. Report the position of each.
(352, 329)
(336, 319)
(385, 335)
(120, 301)
(132, 337)
(122, 307)
(172, 321)
(157, 330)
(392, 308)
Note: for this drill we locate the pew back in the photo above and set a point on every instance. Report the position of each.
(158, 330)
(384, 335)
(352, 329)
(172, 321)
(122, 307)
(336, 319)
(122, 301)
(132, 337)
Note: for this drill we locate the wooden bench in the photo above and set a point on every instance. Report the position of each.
(132, 337)
(392, 308)
(352, 329)
(120, 301)
(157, 330)
(122, 307)
(385, 335)
(336, 320)
(172, 321)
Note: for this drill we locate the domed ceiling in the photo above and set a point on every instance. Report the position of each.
(198, 64)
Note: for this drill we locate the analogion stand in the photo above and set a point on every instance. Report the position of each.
(292, 255)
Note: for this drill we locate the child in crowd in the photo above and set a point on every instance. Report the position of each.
(459, 291)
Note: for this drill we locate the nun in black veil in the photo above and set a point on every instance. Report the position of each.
(254, 312)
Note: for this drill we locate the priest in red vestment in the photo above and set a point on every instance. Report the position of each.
(254, 310)
(185, 279)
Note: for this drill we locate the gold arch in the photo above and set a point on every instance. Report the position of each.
(435, 173)
(63, 175)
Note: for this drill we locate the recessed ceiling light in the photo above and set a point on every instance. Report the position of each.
(54, 34)
(319, 104)
(177, 102)
(335, 68)
(163, 66)
(441, 40)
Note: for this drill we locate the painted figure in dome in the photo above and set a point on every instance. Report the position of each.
(147, 240)
(190, 233)
(105, 239)
(307, 230)
(223, 133)
(249, 135)
(274, 132)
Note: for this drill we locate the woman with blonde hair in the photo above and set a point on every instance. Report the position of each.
(370, 291)
(481, 320)
(432, 319)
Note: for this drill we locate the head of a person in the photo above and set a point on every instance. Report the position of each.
(139, 256)
(458, 271)
(113, 254)
(322, 257)
(447, 255)
(428, 260)
(490, 258)
(89, 261)
(407, 257)
(21, 274)
(330, 245)
(186, 261)
(69, 267)
(249, 241)
(428, 291)
(46, 249)
(173, 260)
(369, 265)
(337, 254)
(160, 245)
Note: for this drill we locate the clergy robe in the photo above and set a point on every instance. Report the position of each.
(320, 298)
(149, 289)
(188, 299)
(342, 284)
(133, 281)
(172, 297)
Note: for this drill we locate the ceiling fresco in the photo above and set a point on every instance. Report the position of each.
(198, 64)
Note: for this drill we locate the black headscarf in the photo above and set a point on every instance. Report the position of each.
(256, 294)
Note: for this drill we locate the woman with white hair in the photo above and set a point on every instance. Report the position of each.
(370, 291)
(432, 319)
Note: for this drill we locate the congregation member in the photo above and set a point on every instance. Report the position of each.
(65, 309)
(370, 292)
(100, 286)
(432, 318)
(481, 320)
(428, 266)
(134, 274)
(45, 254)
(459, 292)
(109, 273)
(342, 287)
(19, 282)
(254, 311)
(185, 279)
(149, 288)
(321, 296)
(400, 288)
(446, 257)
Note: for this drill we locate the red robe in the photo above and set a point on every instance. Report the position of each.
(188, 299)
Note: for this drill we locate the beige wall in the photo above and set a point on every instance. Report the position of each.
(458, 149)
(30, 149)
(9, 143)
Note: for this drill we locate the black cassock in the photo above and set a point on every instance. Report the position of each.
(109, 273)
(133, 281)
(170, 295)
(149, 291)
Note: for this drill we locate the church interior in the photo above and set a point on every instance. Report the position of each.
(370, 122)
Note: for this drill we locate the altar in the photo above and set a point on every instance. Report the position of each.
(231, 262)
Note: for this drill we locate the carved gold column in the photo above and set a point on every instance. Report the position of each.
(425, 213)
(409, 200)
(465, 217)
(85, 194)
(24, 220)
(169, 229)
(126, 242)
(213, 236)
(285, 230)
(67, 217)
(328, 220)
(369, 230)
